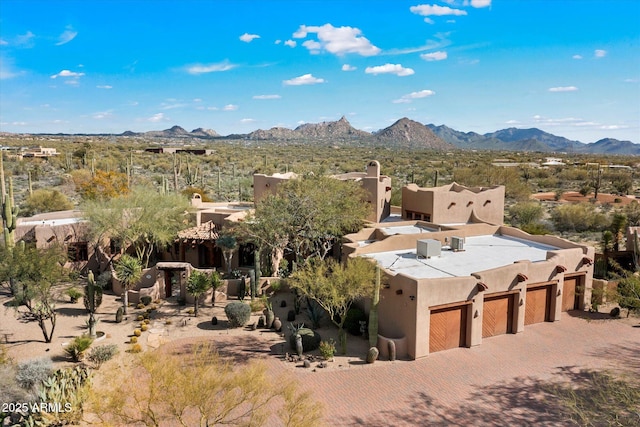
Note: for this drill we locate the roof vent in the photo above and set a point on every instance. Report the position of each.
(426, 248)
(457, 243)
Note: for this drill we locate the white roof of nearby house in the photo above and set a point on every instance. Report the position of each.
(407, 229)
(480, 253)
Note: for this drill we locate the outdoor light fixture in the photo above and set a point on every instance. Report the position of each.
(521, 302)
(412, 297)
(476, 314)
(559, 292)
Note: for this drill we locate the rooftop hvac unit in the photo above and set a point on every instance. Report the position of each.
(457, 243)
(427, 248)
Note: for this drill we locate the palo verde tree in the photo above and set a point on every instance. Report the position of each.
(197, 285)
(128, 272)
(335, 286)
(143, 219)
(200, 389)
(34, 273)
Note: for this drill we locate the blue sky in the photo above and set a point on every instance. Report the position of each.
(569, 67)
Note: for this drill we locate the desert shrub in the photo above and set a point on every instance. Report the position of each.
(578, 217)
(310, 339)
(315, 313)
(104, 280)
(103, 353)
(45, 200)
(535, 228)
(74, 294)
(525, 213)
(257, 305)
(238, 313)
(327, 349)
(5, 359)
(77, 347)
(352, 322)
(33, 372)
(146, 300)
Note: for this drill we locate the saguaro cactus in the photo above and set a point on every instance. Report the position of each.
(9, 210)
(373, 312)
(92, 300)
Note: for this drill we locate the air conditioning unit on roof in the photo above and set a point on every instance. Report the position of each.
(427, 248)
(457, 243)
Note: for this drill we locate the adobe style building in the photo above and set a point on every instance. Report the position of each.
(377, 187)
(462, 277)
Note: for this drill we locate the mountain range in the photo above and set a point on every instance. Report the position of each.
(409, 134)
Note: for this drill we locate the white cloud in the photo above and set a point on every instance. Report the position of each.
(290, 43)
(25, 40)
(247, 120)
(210, 68)
(577, 56)
(306, 79)
(230, 107)
(396, 69)
(67, 73)
(248, 38)
(435, 10)
(512, 122)
(420, 94)
(434, 56)
(156, 118)
(347, 67)
(480, 3)
(3, 42)
(429, 21)
(104, 87)
(267, 97)
(336, 40)
(68, 35)
(102, 115)
(406, 99)
(599, 53)
(563, 89)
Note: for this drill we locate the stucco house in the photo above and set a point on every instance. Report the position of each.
(462, 277)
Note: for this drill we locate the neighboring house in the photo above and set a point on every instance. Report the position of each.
(452, 283)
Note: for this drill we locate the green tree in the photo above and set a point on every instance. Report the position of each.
(200, 389)
(45, 200)
(34, 273)
(629, 293)
(143, 219)
(197, 285)
(618, 227)
(228, 244)
(578, 217)
(128, 272)
(335, 286)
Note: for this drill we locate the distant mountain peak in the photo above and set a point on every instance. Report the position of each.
(409, 133)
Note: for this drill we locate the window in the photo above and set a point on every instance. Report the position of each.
(78, 251)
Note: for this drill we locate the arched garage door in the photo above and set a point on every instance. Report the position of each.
(538, 305)
(497, 315)
(448, 327)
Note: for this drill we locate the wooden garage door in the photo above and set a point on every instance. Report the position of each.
(448, 328)
(538, 305)
(497, 317)
(569, 295)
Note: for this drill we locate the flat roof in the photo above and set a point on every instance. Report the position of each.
(480, 253)
(59, 221)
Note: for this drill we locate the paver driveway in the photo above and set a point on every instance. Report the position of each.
(499, 383)
(495, 384)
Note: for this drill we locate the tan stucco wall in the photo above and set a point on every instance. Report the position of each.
(454, 203)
